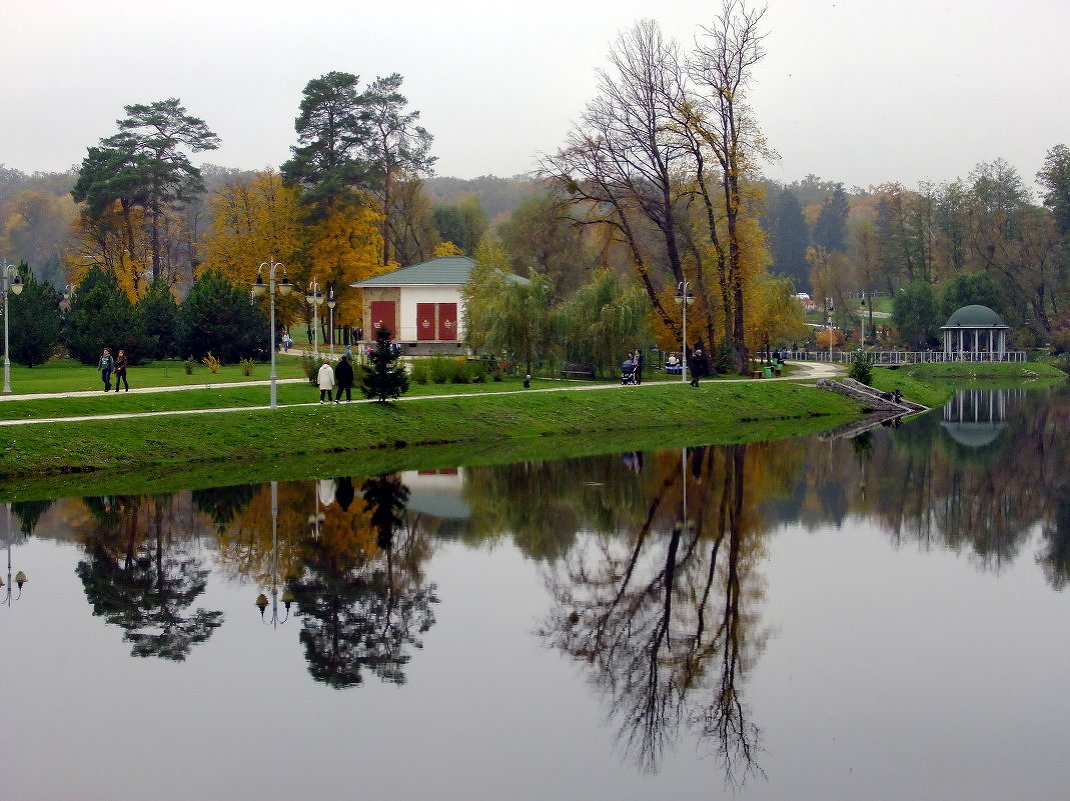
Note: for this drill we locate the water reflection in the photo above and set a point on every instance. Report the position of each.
(655, 563)
(662, 608)
(139, 576)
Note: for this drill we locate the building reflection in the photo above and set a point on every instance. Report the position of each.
(975, 417)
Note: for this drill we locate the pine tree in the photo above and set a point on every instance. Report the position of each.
(387, 378)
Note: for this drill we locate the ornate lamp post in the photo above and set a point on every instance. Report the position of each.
(685, 298)
(828, 324)
(331, 303)
(20, 577)
(259, 288)
(315, 300)
(9, 274)
(287, 596)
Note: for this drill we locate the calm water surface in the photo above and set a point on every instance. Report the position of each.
(881, 617)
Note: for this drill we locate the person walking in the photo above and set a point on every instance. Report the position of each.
(638, 360)
(696, 363)
(325, 379)
(120, 370)
(343, 379)
(106, 365)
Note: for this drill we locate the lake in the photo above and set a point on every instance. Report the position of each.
(876, 617)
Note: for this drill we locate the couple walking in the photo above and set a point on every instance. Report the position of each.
(341, 376)
(107, 365)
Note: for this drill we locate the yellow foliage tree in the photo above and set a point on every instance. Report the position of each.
(117, 241)
(252, 223)
(446, 249)
(774, 315)
(346, 246)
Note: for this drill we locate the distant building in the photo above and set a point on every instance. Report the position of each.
(806, 301)
(421, 305)
(975, 333)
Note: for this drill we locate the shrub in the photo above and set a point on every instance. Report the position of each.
(189, 364)
(420, 371)
(246, 367)
(441, 369)
(212, 362)
(861, 369)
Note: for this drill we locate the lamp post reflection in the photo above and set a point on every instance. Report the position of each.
(287, 596)
(20, 577)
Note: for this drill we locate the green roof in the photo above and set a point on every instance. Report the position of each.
(974, 317)
(450, 270)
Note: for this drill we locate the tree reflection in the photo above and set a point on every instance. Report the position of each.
(661, 614)
(361, 598)
(136, 576)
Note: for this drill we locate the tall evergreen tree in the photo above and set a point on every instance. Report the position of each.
(220, 318)
(788, 238)
(145, 164)
(35, 321)
(830, 228)
(158, 312)
(101, 316)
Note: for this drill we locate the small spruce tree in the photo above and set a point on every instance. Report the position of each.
(387, 377)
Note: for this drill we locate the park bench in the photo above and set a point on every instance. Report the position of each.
(578, 371)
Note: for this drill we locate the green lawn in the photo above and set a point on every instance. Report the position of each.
(67, 375)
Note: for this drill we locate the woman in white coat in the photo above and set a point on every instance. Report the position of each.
(325, 378)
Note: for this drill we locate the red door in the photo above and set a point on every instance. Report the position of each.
(447, 321)
(384, 316)
(425, 321)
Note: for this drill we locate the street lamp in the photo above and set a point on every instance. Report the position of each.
(20, 577)
(331, 303)
(287, 596)
(315, 300)
(685, 298)
(12, 281)
(828, 324)
(259, 288)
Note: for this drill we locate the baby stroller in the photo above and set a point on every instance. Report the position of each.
(628, 374)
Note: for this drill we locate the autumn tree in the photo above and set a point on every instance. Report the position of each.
(666, 157)
(398, 150)
(775, 316)
(145, 166)
(35, 226)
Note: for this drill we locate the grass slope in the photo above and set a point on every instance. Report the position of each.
(491, 426)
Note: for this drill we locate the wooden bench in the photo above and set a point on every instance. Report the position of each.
(578, 371)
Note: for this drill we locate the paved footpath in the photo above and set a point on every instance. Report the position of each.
(805, 371)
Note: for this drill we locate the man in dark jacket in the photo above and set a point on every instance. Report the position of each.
(343, 379)
(696, 363)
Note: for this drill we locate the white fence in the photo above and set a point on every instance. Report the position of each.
(911, 357)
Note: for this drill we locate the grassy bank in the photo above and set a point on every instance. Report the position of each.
(933, 384)
(355, 436)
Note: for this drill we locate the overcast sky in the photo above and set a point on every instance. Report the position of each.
(858, 91)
